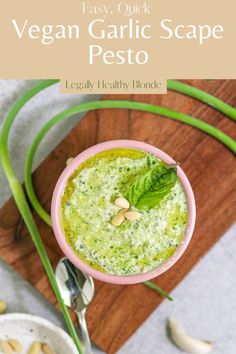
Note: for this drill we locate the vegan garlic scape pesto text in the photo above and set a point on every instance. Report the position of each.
(124, 211)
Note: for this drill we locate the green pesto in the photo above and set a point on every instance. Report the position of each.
(87, 208)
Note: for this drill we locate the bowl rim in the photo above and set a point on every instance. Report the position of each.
(40, 321)
(59, 234)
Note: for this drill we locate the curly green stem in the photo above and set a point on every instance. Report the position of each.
(166, 112)
(158, 290)
(203, 97)
(21, 202)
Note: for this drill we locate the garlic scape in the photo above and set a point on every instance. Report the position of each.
(185, 342)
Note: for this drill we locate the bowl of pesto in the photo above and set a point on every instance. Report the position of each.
(123, 211)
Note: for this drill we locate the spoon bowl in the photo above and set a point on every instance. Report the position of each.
(77, 290)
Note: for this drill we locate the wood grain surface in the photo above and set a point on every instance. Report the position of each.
(117, 311)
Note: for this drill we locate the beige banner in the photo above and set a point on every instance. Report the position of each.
(106, 46)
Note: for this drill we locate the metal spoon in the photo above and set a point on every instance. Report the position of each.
(77, 290)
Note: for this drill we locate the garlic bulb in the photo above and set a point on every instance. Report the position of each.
(185, 342)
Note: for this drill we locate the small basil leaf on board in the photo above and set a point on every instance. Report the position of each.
(144, 183)
(159, 190)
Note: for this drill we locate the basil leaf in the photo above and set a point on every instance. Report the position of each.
(144, 183)
(159, 190)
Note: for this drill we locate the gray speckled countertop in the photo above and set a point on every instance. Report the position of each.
(204, 302)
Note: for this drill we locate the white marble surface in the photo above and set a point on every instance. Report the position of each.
(21, 297)
(204, 302)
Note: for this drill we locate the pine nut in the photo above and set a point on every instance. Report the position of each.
(118, 218)
(3, 307)
(69, 160)
(132, 215)
(5, 347)
(46, 349)
(15, 344)
(122, 203)
(35, 348)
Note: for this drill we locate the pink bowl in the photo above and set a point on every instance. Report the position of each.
(67, 250)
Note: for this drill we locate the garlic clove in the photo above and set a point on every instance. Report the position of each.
(185, 342)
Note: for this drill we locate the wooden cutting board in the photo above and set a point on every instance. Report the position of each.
(117, 311)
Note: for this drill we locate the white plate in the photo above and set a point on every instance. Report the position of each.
(27, 329)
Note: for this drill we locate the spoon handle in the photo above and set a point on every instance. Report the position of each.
(84, 331)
